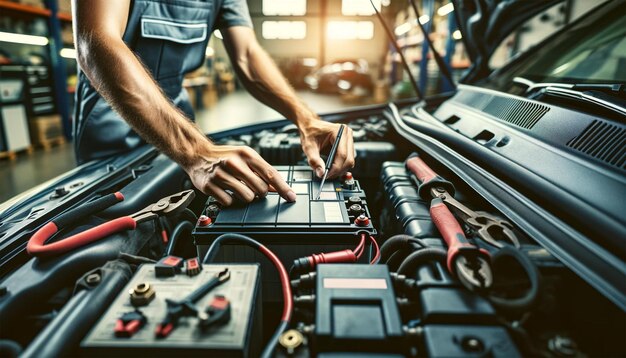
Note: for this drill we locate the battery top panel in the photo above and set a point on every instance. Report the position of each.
(273, 214)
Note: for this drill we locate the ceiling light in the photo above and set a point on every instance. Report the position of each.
(23, 39)
(424, 19)
(209, 51)
(68, 53)
(218, 34)
(446, 9)
(402, 29)
(457, 35)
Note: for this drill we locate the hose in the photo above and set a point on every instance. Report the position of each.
(183, 228)
(419, 257)
(503, 261)
(284, 278)
(396, 243)
(396, 259)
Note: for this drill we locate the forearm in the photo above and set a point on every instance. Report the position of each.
(261, 77)
(122, 80)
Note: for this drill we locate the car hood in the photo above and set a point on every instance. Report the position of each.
(485, 23)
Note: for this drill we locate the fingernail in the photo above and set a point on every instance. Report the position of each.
(291, 196)
(319, 172)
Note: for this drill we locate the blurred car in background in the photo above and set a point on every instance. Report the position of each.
(340, 77)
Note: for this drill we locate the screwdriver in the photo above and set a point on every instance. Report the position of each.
(331, 158)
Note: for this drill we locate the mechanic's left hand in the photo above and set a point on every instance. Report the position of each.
(318, 136)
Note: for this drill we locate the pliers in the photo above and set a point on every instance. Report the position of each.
(168, 205)
(491, 229)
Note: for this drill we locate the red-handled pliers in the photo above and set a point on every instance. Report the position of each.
(169, 205)
(470, 264)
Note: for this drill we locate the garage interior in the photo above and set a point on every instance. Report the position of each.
(452, 183)
(308, 39)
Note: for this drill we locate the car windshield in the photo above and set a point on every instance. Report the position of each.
(591, 51)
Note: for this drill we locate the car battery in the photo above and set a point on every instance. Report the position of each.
(291, 230)
(411, 212)
(238, 337)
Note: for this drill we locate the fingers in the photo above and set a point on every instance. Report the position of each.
(271, 176)
(218, 193)
(312, 152)
(240, 170)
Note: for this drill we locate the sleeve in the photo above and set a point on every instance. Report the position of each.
(233, 13)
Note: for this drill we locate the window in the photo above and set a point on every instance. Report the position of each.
(284, 7)
(284, 30)
(359, 7)
(350, 30)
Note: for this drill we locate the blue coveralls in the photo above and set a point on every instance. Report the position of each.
(170, 37)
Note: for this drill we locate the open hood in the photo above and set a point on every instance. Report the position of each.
(485, 23)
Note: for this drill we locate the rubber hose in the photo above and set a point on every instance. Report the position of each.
(392, 245)
(502, 259)
(396, 259)
(183, 228)
(9, 349)
(419, 257)
(188, 215)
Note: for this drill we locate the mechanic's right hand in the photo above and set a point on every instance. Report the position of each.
(239, 169)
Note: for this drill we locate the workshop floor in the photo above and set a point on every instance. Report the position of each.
(234, 110)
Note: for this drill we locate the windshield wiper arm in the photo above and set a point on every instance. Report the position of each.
(613, 88)
(607, 96)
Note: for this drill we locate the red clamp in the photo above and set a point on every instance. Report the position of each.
(217, 313)
(193, 266)
(129, 324)
(168, 266)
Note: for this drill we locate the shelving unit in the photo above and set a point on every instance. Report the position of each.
(57, 64)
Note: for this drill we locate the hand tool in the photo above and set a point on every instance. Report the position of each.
(168, 205)
(464, 260)
(186, 307)
(329, 161)
(489, 228)
(218, 312)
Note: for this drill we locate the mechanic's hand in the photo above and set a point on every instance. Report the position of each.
(238, 169)
(319, 136)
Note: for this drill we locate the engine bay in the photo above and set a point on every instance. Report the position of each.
(366, 268)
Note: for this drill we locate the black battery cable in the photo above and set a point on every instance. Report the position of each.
(282, 272)
(183, 228)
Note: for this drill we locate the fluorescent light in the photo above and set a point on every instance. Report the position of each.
(284, 7)
(209, 51)
(424, 19)
(309, 62)
(402, 29)
(23, 39)
(359, 7)
(218, 34)
(350, 30)
(446, 9)
(68, 53)
(457, 35)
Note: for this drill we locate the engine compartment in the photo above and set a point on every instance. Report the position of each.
(367, 275)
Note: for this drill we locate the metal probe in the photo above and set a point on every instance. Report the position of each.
(329, 161)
